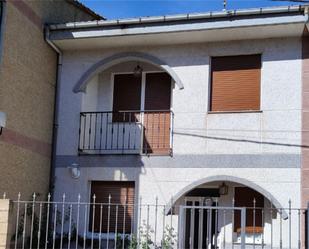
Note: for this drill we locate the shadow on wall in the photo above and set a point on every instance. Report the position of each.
(241, 140)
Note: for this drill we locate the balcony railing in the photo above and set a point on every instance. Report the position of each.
(126, 132)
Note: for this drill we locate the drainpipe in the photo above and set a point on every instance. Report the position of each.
(2, 27)
(306, 12)
(56, 108)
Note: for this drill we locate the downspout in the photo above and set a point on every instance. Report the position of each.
(2, 27)
(306, 12)
(56, 108)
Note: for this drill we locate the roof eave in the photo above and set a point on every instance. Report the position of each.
(182, 17)
(116, 31)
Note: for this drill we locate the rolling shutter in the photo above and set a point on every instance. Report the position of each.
(122, 195)
(157, 118)
(158, 91)
(235, 83)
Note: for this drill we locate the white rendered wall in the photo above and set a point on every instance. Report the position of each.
(276, 131)
(280, 98)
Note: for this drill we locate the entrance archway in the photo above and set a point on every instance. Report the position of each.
(233, 179)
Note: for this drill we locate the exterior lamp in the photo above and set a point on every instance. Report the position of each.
(74, 170)
(137, 71)
(223, 189)
(2, 121)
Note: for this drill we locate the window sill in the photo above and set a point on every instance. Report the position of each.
(233, 112)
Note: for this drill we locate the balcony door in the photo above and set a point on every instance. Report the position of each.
(150, 95)
(157, 115)
(127, 98)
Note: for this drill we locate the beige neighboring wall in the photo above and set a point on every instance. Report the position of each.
(27, 92)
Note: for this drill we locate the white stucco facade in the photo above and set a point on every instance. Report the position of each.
(261, 147)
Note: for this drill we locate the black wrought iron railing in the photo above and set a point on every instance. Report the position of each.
(126, 132)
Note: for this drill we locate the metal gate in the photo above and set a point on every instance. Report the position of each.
(198, 226)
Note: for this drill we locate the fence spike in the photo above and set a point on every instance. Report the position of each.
(62, 221)
(32, 219)
(77, 221)
(70, 226)
(156, 217)
(290, 224)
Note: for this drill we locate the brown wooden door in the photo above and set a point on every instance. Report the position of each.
(157, 116)
(244, 198)
(122, 195)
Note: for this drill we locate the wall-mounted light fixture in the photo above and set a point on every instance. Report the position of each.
(223, 189)
(2, 121)
(74, 170)
(137, 71)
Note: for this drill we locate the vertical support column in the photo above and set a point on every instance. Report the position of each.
(181, 227)
(243, 228)
(5, 223)
(143, 112)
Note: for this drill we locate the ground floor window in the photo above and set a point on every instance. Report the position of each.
(117, 201)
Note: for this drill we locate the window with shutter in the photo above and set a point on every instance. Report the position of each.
(122, 195)
(235, 83)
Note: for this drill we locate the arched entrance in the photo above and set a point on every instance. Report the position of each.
(227, 178)
(223, 209)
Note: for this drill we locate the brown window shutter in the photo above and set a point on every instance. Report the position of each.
(235, 83)
(244, 198)
(157, 118)
(122, 195)
(158, 91)
(127, 96)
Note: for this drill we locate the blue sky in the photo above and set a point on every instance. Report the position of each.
(113, 9)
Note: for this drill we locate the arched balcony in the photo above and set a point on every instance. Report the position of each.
(127, 107)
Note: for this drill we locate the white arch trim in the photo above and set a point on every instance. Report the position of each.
(103, 64)
(228, 178)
